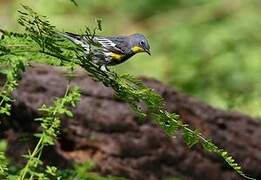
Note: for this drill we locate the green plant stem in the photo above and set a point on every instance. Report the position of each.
(25, 169)
(39, 147)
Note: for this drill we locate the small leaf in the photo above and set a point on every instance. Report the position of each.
(209, 146)
(99, 22)
(191, 137)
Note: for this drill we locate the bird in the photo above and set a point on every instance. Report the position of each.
(110, 50)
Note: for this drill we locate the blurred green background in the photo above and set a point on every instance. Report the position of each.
(206, 48)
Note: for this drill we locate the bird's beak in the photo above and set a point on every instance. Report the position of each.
(148, 52)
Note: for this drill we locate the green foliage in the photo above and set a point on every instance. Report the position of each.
(3, 166)
(3, 161)
(45, 41)
(12, 76)
(210, 60)
(50, 124)
(209, 146)
(191, 137)
(136, 94)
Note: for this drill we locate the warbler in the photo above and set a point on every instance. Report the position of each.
(110, 50)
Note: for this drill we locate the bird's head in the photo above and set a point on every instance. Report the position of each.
(139, 43)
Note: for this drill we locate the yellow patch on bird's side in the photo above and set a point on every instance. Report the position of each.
(117, 57)
(137, 49)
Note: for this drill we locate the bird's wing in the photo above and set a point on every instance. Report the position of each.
(115, 44)
(118, 45)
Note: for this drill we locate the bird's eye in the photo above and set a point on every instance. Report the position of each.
(142, 43)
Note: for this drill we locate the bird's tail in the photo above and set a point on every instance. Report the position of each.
(75, 38)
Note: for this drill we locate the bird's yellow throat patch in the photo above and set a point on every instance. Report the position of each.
(119, 57)
(137, 49)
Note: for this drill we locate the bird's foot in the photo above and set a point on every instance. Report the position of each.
(104, 68)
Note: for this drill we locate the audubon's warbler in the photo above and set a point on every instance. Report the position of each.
(110, 50)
